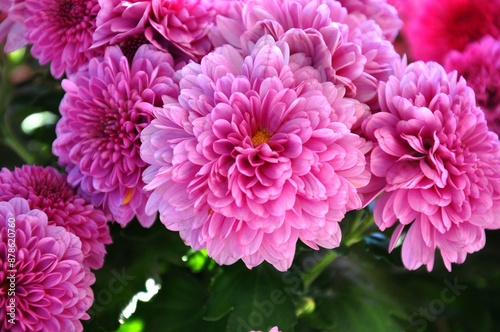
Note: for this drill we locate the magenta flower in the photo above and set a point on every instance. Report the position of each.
(252, 158)
(61, 32)
(104, 110)
(433, 28)
(180, 27)
(479, 64)
(12, 29)
(47, 190)
(51, 284)
(440, 162)
(383, 13)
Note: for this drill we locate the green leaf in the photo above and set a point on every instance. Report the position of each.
(179, 306)
(136, 255)
(352, 296)
(255, 299)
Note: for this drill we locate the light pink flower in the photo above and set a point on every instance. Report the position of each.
(253, 157)
(61, 32)
(432, 28)
(440, 162)
(52, 286)
(180, 27)
(104, 110)
(12, 29)
(47, 190)
(360, 54)
(479, 64)
(383, 13)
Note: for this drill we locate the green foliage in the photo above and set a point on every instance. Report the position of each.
(255, 299)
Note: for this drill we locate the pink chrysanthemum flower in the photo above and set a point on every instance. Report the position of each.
(47, 190)
(359, 52)
(253, 157)
(104, 110)
(180, 27)
(435, 27)
(61, 32)
(479, 64)
(12, 29)
(384, 14)
(51, 285)
(440, 162)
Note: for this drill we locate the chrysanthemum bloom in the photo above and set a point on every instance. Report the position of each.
(12, 29)
(440, 162)
(384, 14)
(252, 158)
(479, 64)
(104, 110)
(51, 284)
(46, 189)
(61, 32)
(342, 33)
(435, 27)
(180, 27)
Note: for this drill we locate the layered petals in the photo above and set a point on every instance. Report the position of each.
(104, 110)
(61, 33)
(52, 285)
(258, 157)
(46, 189)
(440, 163)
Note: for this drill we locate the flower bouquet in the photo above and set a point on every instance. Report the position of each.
(279, 165)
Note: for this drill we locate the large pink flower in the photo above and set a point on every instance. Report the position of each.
(45, 271)
(61, 32)
(479, 64)
(253, 157)
(360, 54)
(178, 26)
(47, 190)
(433, 28)
(440, 162)
(103, 113)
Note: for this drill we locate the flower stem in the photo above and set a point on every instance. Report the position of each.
(358, 226)
(363, 220)
(310, 275)
(7, 137)
(17, 147)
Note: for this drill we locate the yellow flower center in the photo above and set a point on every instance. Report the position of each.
(261, 136)
(128, 196)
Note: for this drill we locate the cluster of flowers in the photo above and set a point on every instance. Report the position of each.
(59, 238)
(250, 125)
